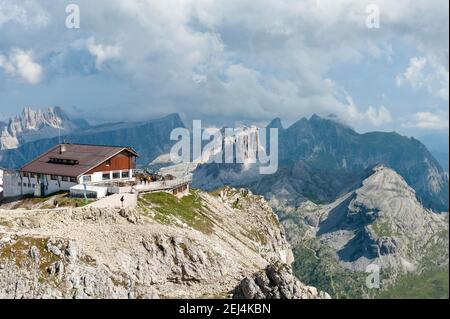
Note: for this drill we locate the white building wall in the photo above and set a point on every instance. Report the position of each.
(98, 177)
(15, 185)
(1, 180)
(91, 191)
(54, 186)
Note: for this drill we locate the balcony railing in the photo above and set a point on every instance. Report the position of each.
(164, 185)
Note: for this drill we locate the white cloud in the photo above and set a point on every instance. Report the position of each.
(378, 117)
(424, 74)
(20, 64)
(27, 13)
(374, 116)
(414, 73)
(428, 121)
(246, 59)
(102, 53)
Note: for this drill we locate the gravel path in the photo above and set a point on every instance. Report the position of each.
(114, 201)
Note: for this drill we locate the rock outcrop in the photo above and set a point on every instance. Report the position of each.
(276, 282)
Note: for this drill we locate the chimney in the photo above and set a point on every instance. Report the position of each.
(62, 148)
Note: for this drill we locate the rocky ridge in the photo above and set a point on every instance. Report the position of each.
(155, 250)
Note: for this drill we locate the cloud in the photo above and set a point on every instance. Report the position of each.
(102, 53)
(241, 60)
(414, 73)
(428, 121)
(20, 64)
(378, 117)
(26, 13)
(374, 116)
(423, 74)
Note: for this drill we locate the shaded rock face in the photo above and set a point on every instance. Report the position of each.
(366, 245)
(276, 282)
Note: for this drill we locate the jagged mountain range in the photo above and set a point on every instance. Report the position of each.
(321, 159)
(329, 146)
(32, 125)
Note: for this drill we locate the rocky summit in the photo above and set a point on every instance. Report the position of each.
(381, 222)
(202, 245)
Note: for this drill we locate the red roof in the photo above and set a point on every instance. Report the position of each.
(86, 156)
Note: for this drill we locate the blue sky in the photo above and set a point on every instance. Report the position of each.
(231, 61)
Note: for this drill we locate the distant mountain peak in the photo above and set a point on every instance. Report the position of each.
(275, 123)
(33, 124)
(174, 118)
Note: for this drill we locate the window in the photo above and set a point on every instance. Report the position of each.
(33, 185)
(29, 185)
(87, 179)
(73, 180)
(54, 177)
(24, 184)
(116, 175)
(125, 174)
(65, 179)
(106, 176)
(19, 183)
(63, 161)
